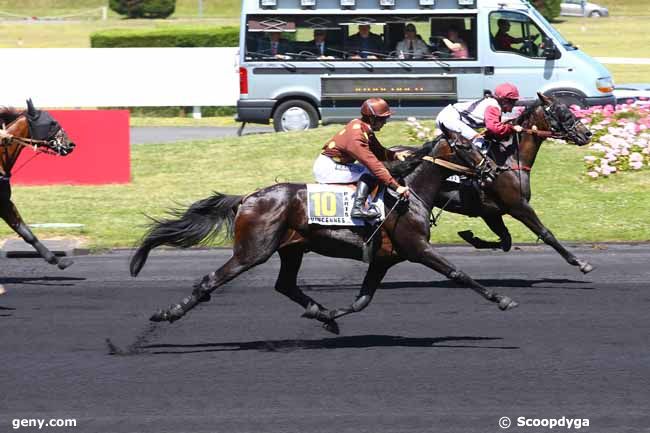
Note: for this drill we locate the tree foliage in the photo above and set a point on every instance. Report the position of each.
(549, 8)
(143, 8)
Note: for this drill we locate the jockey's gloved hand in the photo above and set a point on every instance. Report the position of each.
(403, 191)
(518, 128)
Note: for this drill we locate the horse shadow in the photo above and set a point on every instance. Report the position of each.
(352, 342)
(41, 281)
(542, 283)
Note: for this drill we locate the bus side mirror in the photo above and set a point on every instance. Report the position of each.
(550, 50)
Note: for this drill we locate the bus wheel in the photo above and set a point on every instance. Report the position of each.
(295, 115)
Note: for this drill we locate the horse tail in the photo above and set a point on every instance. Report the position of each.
(198, 224)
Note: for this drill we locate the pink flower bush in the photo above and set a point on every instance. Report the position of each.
(621, 140)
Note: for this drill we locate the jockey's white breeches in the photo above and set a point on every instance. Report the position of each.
(327, 170)
(450, 118)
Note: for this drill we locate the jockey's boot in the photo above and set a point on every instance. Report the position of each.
(364, 186)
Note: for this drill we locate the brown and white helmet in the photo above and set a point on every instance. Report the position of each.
(375, 107)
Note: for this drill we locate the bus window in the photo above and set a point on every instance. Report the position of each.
(454, 37)
(344, 37)
(516, 32)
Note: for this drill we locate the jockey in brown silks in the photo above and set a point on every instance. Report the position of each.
(357, 142)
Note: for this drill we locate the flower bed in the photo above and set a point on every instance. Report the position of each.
(621, 140)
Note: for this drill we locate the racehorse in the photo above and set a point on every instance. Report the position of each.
(275, 219)
(36, 129)
(510, 192)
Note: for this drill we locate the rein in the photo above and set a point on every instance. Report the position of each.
(8, 139)
(450, 165)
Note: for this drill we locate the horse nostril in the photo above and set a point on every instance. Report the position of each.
(589, 134)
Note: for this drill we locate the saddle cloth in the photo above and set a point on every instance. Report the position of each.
(330, 204)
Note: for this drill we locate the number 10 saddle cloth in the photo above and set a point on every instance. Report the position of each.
(330, 204)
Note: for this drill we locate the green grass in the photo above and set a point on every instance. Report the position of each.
(183, 121)
(184, 8)
(575, 208)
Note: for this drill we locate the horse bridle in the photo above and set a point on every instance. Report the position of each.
(559, 129)
(53, 146)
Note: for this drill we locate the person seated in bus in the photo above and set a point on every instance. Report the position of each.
(364, 43)
(503, 41)
(357, 142)
(465, 117)
(455, 44)
(412, 46)
(274, 46)
(320, 47)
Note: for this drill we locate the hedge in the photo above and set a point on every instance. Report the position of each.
(176, 36)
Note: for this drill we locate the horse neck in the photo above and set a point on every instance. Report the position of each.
(529, 144)
(425, 181)
(9, 154)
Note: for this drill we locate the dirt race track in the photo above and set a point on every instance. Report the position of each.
(426, 356)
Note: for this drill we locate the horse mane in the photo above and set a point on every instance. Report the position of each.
(403, 168)
(528, 112)
(9, 114)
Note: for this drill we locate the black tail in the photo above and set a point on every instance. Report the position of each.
(199, 224)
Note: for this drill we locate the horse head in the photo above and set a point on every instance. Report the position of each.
(562, 122)
(42, 126)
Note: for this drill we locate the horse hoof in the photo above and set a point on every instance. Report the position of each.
(507, 304)
(332, 326)
(64, 263)
(586, 267)
(311, 312)
(158, 316)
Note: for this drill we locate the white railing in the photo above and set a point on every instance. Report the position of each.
(119, 77)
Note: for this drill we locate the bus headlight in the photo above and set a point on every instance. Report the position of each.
(605, 85)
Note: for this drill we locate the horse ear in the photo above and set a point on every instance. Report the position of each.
(545, 99)
(30, 108)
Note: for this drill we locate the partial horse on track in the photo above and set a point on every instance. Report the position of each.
(510, 192)
(275, 219)
(38, 130)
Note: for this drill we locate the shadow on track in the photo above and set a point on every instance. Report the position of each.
(41, 281)
(446, 284)
(354, 342)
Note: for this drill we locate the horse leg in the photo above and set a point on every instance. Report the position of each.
(376, 273)
(526, 214)
(496, 224)
(10, 214)
(430, 258)
(287, 284)
(254, 244)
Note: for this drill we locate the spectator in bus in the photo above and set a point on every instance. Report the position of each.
(364, 43)
(412, 46)
(455, 44)
(274, 46)
(503, 41)
(320, 47)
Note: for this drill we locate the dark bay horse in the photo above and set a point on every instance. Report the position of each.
(510, 192)
(275, 219)
(38, 130)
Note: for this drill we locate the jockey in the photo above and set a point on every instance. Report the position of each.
(465, 117)
(357, 142)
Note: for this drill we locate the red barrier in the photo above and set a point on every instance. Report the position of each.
(102, 154)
